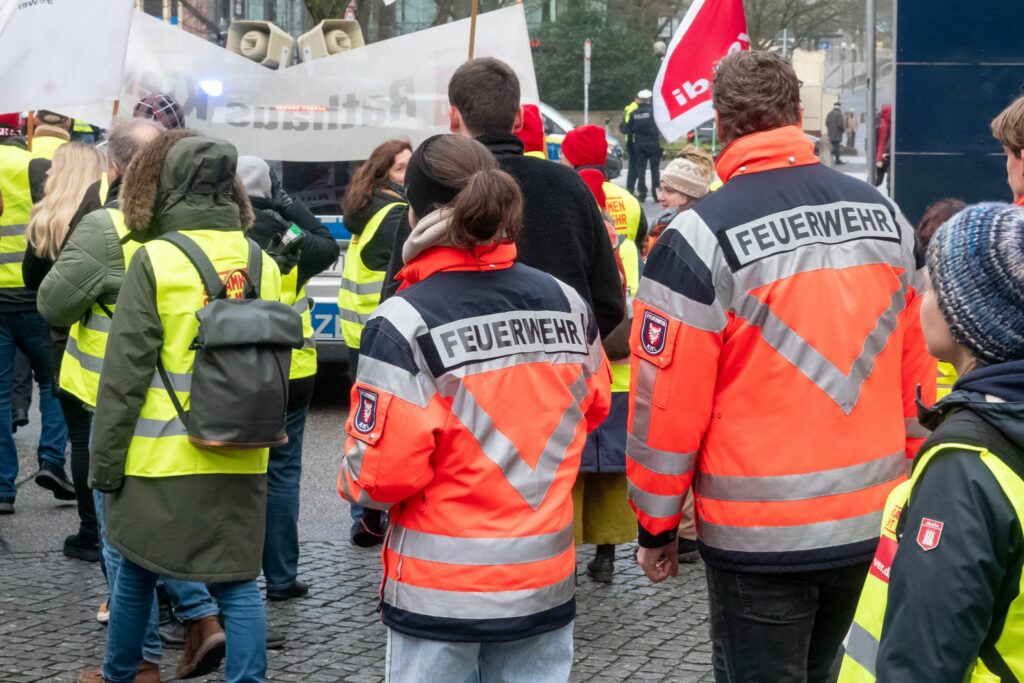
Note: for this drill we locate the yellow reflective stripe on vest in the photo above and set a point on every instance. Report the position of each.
(947, 378)
(360, 290)
(160, 445)
(87, 339)
(304, 359)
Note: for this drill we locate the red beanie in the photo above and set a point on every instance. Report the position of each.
(532, 132)
(585, 146)
(10, 124)
(595, 182)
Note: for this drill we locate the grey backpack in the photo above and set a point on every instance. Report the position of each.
(239, 392)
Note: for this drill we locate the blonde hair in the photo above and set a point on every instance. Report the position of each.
(75, 167)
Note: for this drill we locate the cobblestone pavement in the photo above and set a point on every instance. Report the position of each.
(630, 630)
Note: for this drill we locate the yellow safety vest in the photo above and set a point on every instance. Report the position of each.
(624, 210)
(360, 290)
(627, 112)
(87, 340)
(82, 127)
(863, 640)
(17, 194)
(304, 359)
(947, 378)
(630, 255)
(160, 445)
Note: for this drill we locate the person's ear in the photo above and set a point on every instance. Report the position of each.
(517, 125)
(454, 119)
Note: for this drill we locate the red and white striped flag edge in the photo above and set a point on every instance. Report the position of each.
(710, 30)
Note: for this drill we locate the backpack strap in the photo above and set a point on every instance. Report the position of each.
(207, 273)
(255, 267)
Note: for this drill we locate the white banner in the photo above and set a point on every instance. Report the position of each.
(56, 53)
(332, 109)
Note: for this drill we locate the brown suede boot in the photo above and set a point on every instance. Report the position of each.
(204, 647)
(147, 673)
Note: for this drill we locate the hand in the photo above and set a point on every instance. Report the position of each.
(659, 563)
(878, 164)
(286, 261)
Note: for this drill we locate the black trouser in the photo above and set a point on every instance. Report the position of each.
(648, 156)
(780, 627)
(837, 148)
(79, 421)
(21, 394)
(631, 171)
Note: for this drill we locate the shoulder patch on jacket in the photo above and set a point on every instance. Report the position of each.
(368, 414)
(653, 333)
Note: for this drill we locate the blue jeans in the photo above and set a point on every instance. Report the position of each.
(284, 471)
(244, 620)
(27, 331)
(189, 599)
(546, 658)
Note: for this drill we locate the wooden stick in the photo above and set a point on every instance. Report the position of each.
(472, 26)
(31, 128)
(117, 106)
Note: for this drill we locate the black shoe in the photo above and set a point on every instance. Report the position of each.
(602, 567)
(82, 547)
(641, 198)
(6, 506)
(172, 634)
(53, 478)
(368, 531)
(688, 553)
(275, 638)
(19, 418)
(296, 590)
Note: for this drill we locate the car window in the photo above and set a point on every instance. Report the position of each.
(552, 128)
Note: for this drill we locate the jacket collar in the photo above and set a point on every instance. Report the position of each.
(765, 151)
(452, 259)
(1019, 201)
(502, 144)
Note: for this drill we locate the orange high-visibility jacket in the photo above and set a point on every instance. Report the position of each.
(776, 352)
(477, 386)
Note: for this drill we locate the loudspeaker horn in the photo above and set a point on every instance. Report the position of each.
(330, 37)
(261, 41)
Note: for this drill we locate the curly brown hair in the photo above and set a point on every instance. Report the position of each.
(372, 176)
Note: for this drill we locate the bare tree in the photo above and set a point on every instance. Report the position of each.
(804, 19)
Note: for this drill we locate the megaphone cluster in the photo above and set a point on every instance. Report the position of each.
(271, 46)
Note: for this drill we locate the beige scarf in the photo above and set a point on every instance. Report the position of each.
(431, 231)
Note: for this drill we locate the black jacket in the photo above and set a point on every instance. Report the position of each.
(317, 250)
(642, 128)
(563, 232)
(947, 605)
(376, 254)
(834, 125)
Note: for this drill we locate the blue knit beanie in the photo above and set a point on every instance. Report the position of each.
(976, 264)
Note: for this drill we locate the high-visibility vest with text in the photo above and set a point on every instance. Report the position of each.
(624, 210)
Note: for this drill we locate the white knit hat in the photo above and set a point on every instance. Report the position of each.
(691, 173)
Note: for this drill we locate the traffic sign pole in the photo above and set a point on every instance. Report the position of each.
(588, 47)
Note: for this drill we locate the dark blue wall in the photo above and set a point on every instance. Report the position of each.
(958, 64)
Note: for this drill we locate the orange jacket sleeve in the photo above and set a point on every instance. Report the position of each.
(919, 370)
(677, 337)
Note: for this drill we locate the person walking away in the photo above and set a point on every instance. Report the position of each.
(587, 147)
(310, 250)
(532, 133)
(631, 157)
(563, 231)
(686, 179)
(850, 126)
(76, 166)
(647, 141)
(1008, 129)
(835, 125)
(934, 216)
(957, 522)
(375, 212)
(162, 489)
(794, 433)
(478, 383)
(22, 180)
(883, 137)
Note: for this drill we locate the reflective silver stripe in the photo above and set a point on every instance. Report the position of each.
(353, 317)
(532, 484)
(353, 460)
(803, 486)
(862, 647)
(662, 462)
(646, 374)
(302, 305)
(654, 504)
(96, 322)
(915, 430)
(416, 389)
(406, 319)
(842, 388)
(492, 364)
(309, 343)
(14, 257)
(87, 361)
(361, 289)
(479, 551)
(707, 317)
(157, 429)
(478, 604)
(790, 538)
(182, 381)
(12, 230)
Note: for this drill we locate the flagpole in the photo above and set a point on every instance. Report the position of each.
(472, 26)
(117, 106)
(31, 128)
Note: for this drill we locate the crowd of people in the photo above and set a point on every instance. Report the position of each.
(751, 380)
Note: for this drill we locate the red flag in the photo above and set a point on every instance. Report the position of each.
(710, 30)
